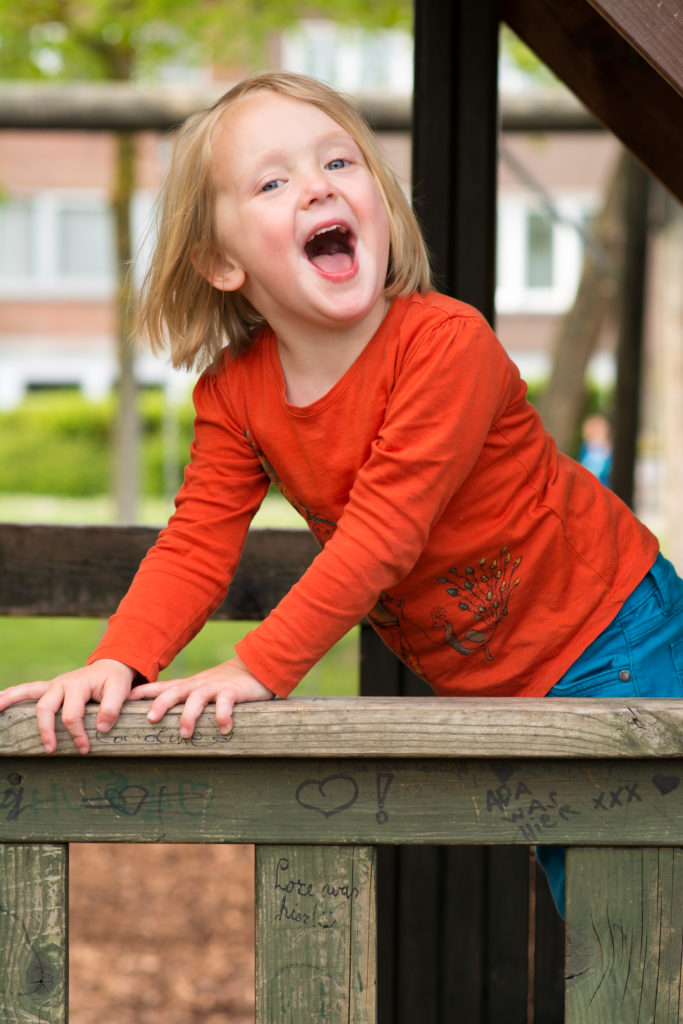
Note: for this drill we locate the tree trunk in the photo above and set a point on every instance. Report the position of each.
(127, 420)
(562, 402)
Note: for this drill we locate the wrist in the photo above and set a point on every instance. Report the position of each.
(124, 672)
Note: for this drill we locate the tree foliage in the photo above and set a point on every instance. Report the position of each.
(131, 39)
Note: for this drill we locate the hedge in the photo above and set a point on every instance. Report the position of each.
(57, 442)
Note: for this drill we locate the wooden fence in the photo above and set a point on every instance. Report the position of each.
(316, 784)
(426, 789)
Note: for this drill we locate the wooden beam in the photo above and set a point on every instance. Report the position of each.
(33, 933)
(454, 143)
(334, 800)
(408, 727)
(624, 935)
(609, 76)
(108, 106)
(315, 934)
(654, 28)
(85, 570)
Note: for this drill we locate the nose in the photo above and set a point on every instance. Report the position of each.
(316, 187)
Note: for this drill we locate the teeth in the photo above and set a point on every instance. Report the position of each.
(332, 227)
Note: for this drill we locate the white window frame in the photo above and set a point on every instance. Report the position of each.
(570, 212)
(335, 54)
(45, 281)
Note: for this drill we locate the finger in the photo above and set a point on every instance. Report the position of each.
(46, 709)
(224, 708)
(173, 693)
(113, 697)
(146, 690)
(73, 710)
(194, 706)
(24, 691)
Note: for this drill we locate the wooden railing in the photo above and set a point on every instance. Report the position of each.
(464, 932)
(316, 784)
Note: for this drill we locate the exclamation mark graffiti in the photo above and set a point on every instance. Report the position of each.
(383, 783)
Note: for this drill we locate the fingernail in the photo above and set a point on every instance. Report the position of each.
(48, 748)
(185, 733)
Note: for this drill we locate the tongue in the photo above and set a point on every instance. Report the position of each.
(333, 262)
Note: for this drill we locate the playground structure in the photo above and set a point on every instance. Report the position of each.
(325, 788)
(316, 779)
(316, 784)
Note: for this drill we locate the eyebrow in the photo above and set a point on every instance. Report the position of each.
(276, 156)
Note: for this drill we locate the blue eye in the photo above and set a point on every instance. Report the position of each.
(270, 186)
(337, 164)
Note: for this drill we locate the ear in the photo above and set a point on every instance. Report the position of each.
(218, 269)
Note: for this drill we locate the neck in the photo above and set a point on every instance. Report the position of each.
(313, 362)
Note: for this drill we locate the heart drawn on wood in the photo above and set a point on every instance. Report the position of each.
(327, 796)
(666, 783)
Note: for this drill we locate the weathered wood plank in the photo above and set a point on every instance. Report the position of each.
(625, 935)
(315, 935)
(609, 76)
(33, 936)
(383, 727)
(654, 28)
(86, 570)
(363, 801)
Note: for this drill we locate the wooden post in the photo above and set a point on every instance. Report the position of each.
(625, 933)
(33, 934)
(315, 935)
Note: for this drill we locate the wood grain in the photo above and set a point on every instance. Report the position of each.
(654, 28)
(352, 800)
(315, 935)
(625, 935)
(383, 727)
(609, 75)
(33, 950)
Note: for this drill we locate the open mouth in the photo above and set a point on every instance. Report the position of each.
(331, 250)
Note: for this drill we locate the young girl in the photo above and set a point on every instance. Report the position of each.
(289, 265)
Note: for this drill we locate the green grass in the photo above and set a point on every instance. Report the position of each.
(40, 648)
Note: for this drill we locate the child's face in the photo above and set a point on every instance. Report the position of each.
(300, 222)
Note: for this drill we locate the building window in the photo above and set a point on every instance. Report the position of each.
(84, 242)
(352, 59)
(16, 233)
(61, 244)
(540, 269)
(539, 253)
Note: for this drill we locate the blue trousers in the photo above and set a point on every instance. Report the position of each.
(640, 654)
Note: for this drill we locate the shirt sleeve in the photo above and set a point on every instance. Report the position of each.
(449, 389)
(186, 574)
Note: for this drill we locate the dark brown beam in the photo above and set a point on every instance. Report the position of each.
(609, 76)
(85, 570)
(654, 28)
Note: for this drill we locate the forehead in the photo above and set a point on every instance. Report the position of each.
(264, 121)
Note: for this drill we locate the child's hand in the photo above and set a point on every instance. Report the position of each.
(225, 685)
(105, 681)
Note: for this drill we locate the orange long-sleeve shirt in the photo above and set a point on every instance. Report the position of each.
(486, 560)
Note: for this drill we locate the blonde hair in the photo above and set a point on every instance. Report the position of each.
(178, 306)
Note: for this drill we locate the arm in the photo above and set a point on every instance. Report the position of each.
(180, 582)
(185, 575)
